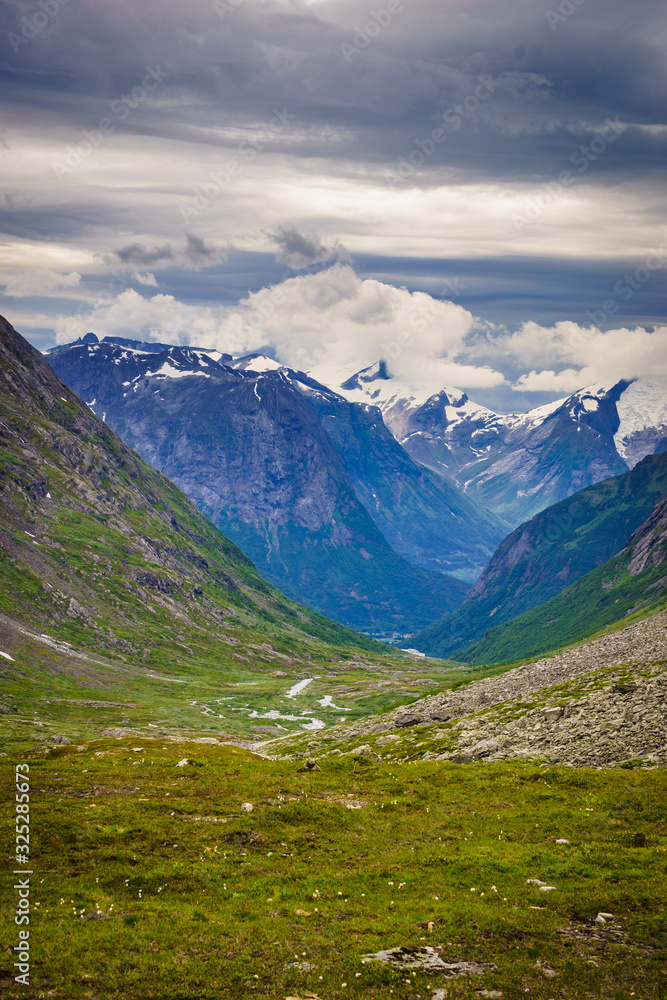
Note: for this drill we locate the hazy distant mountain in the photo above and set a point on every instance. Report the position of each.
(549, 553)
(250, 448)
(518, 464)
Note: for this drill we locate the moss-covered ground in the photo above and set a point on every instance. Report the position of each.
(150, 880)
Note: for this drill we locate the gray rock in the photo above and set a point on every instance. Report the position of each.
(428, 960)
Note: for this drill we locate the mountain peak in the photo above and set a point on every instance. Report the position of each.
(374, 372)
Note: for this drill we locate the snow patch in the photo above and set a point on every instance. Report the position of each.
(168, 371)
(299, 687)
(256, 363)
(642, 406)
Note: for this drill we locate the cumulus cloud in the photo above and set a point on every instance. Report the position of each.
(581, 355)
(43, 282)
(161, 317)
(147, 278)
(335, 323)
(332, 319)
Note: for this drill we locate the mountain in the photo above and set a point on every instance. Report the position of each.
(549, 553)
(424, 517)
(147, 347)
(518, 464)
(100, 547)
(248, 447)
(633, 582)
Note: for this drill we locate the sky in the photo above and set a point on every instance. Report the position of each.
(472, 189)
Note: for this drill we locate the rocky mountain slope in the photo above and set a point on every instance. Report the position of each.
(632, 582)
(99, 548)
(423, 516)
(518, 464)
(600, 704)
(543, 557)
(249, 448)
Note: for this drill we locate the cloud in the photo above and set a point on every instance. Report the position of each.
(24, 284)
(195, 254)
(147, 278)
(161, 317)
(585, 355)
(331, 320)
(334, 322)
(301, 250)
(136, 253)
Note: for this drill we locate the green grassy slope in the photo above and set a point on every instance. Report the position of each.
(548, 553)
(99, 550)
(633, 583)
(84, 518)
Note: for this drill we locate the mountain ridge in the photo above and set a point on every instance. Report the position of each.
(250, 449)
(632, 583)
(79, 506)
(518, 464)
(543, 556)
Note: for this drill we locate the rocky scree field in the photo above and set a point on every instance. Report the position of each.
(602, 703)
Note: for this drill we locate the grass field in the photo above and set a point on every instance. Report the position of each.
(151, 881)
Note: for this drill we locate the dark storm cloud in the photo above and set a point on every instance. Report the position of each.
(195, 254)
(138, 254)
(383, 85)
(300, 250)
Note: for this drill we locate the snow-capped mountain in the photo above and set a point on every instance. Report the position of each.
(642, 412)
(512, 464)
(313, 488)
(518, 464)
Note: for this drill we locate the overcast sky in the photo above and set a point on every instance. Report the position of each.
(473, 189)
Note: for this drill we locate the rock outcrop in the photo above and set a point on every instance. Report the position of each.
(600, 704)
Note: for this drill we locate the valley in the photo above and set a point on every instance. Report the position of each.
(232, 795)
(333, 500)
